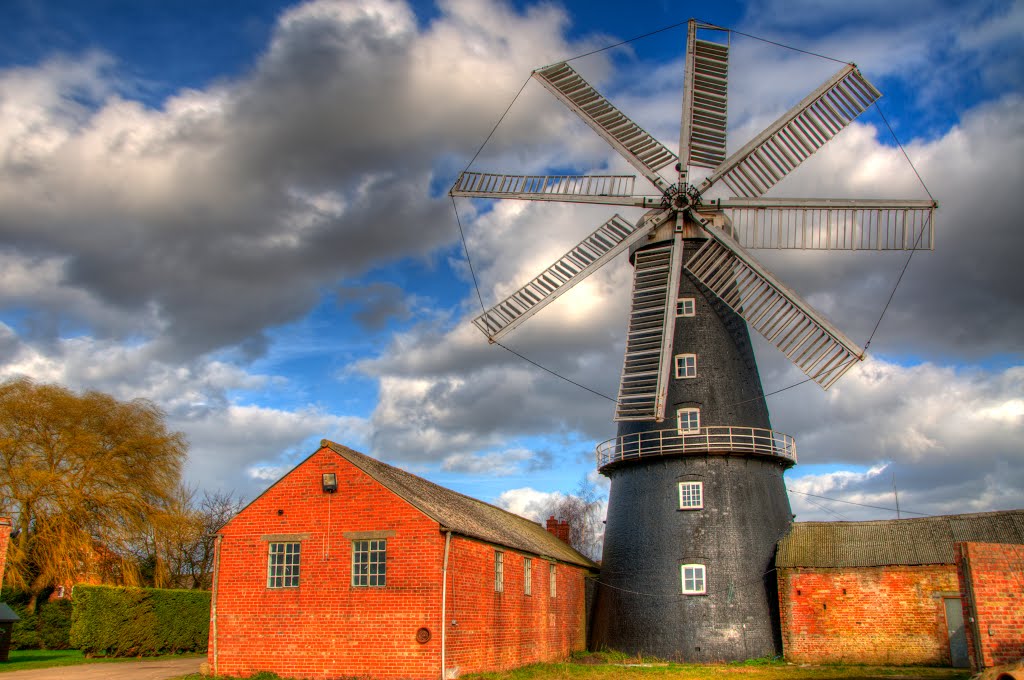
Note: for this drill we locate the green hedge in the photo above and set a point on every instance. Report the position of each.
(139, 621)
(48, 628)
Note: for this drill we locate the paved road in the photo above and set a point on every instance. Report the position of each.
(129, 670)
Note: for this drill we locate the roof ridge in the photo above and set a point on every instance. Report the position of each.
(928, 518)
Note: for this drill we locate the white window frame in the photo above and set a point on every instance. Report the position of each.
(283, 561)
(686, 365)
(373, 571)
(686, 302)
(698, 579)
(679, 420)
(691, 495)
(686, 307)
(499, 571)
(553, 578)
(527, 576)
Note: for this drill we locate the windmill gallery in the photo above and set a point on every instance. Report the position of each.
(701, 558)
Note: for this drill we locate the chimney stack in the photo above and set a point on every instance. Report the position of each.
(5, 537)
(559, 528)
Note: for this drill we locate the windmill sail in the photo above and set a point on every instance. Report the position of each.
(790, 140)
(702, 136)
(780, 315)
(643, 151)
(610, 239)
(644, 383)
(831, 224)
(603, 189)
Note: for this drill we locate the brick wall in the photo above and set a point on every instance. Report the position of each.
(991, 578)
(5, 539)
(891, 615)
(500, 630)
(326, 628)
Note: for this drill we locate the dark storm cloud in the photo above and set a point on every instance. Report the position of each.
(375, 304)
(228, 210)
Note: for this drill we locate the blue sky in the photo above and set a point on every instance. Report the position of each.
(238, 211)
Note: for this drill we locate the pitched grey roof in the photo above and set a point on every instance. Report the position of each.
(925, 540)
(464, 515)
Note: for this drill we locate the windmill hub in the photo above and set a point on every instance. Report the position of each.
(676, 197)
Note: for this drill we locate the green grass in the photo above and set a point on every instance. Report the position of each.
(27, 659)
(608, 665)
(614, 665)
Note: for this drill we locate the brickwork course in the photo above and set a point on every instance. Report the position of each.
(992, 587)
(326, 627)
(875, 592)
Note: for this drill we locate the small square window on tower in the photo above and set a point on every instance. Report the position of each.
(685, 307)
(688, 420)
(694, 582)
(691, 495)
(686, 365)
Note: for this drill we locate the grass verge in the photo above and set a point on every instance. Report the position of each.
(605, 666)
(612, 665)
(27, 659)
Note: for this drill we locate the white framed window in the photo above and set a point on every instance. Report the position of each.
(691, 495)
(499, 571)
(553, 578)
(694, 581)
(688, 420)
(686, 365)
(283, 565)
(369, 563)
(685, 307)
(527, 576)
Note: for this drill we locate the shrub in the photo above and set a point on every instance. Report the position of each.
(139, 621)
(48, 627)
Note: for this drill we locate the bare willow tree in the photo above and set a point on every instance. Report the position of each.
(180, 548)
(83, 476)
(584, 511)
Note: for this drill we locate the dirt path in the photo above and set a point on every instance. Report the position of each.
(129, 670)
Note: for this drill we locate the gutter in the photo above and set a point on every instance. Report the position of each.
(444, 603)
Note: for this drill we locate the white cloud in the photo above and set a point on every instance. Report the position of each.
(163, 234)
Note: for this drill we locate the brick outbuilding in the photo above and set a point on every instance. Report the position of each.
(886, 592)
(349, 567)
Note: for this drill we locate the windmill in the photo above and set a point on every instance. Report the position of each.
(697, 499)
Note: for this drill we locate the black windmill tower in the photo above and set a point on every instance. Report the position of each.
(697, 499)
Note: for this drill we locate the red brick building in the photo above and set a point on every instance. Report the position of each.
(993, 600)
(349, 567)
(887, 592)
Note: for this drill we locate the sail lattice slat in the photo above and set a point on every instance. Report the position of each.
(818, 349)
(638, 147)
(832, 224)
(777, 151)
(640, 385)
(610, 239)
(710, 80)
(605, 189)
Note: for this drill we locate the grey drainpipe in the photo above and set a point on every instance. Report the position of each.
(444, 603)
(213, 600)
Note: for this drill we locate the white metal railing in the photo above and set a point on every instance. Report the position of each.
(723, 439)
